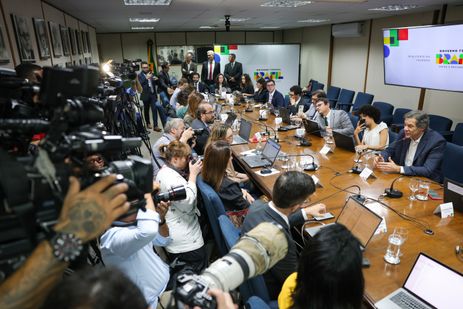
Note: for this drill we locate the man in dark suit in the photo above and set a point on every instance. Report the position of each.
(288, 208)
(419, 151)
(204, 117)
(197, 84)
(210, 70)
(296, 101)
(150, 97)
(274, 96)
(233, 71)
(165, 86)
(188, 66)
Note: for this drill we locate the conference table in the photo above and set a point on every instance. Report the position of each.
(333, 173)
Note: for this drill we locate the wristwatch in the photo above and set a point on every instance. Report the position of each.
(66, 247)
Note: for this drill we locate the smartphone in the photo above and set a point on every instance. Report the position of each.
(325, 216)
(433, 195)
(362, 122)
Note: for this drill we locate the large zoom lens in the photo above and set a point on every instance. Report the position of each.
(255, 253)
(174, 194)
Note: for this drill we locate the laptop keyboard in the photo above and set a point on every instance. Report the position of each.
(404, 300)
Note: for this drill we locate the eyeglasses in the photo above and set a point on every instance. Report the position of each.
(145, 67)
(97, 159)
(211, 112)
(292, 95)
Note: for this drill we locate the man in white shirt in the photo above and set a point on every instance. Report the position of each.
(291, 193)
(128, 245)
(210, 70)
(418, 150)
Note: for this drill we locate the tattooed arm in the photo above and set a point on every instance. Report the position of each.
(86, 214)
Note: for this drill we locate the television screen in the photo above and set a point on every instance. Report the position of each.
(425, 57)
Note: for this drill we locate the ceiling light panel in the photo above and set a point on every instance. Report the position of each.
(284, 3)
(142, 28)
(394, 8)
(147, 2)
(313, 20)
(143, 20)
(235, 19)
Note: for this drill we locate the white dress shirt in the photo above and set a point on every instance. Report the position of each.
(411, 153)
(272, 206)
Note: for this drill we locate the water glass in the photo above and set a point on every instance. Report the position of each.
(423, 190)
(300, 132)
(358, 152)
(413, 185)
(276, 112)
(403, 232)
(392, 255)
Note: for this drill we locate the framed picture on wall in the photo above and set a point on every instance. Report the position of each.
(41, 34)
(66, 40)
(4, 54)
(84, 42)
(89, 47)
(55, 39)
(79, 42)
(23, 38)
(72, 36)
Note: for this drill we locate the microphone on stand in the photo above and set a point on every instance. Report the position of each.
(267, 132)
(391, 192)
(310, 166)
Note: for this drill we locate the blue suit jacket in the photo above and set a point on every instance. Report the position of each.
(144, 84)
(278, 100)
(428, 156)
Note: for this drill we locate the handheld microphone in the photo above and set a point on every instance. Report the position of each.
(391, 192)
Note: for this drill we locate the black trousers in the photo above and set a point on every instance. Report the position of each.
(195, 260)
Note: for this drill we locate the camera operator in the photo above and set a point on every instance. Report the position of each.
(174, 130)
(128, 245)
(187, 244)
(95, 162)
(150, 97)
(84, 216)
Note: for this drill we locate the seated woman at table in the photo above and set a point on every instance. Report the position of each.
(261, 95)
(222, 132)
(193, 102)
(329, 274)
(221, 84)
(217, 157)
(375, 133)
(246, 87)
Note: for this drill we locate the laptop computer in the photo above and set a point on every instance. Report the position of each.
(286, 117)
(244, 133)
(430, 284)
(230, 119)
(311, 127)
(357, 218)
(453, 192)
(268, 156)
(344, 141)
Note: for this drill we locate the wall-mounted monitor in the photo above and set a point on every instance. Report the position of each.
(425, 57)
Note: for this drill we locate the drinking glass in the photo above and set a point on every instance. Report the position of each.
(358, 152)
(276, 112)
(392, 255)
(413, 185)
(422, 190)
(403, 232)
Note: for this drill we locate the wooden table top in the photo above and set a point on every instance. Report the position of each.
(381, 278)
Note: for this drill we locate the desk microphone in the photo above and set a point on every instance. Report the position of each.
(310, 166)
(264, 125)
(391, 192)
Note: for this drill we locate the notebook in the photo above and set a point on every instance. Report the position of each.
(268, 156)
(360, 220)
(430, 284)
(244, 133)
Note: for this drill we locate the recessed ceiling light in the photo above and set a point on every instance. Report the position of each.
(284, 3)
(270, 27)
(235, 19)
(142, 28)
(206, 27)
(394, 7)
(143, 20)
(147, 2)
(313, 20)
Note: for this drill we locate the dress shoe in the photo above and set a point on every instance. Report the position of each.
(149, 126)
(157, 129)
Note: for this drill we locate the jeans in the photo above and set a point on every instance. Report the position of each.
(155, 108)
(164, 98)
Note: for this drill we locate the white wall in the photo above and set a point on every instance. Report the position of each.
(39, 9)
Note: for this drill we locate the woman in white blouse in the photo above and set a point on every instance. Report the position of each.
(375, 133)
(187, 246)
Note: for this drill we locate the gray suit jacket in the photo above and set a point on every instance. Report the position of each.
(339, 121)
(185, 73)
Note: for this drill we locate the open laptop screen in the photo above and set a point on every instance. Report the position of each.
(271, 150)
(245, 129)
(435, 283)
(361, 221)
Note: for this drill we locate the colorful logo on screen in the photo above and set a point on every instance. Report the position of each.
(392, 37)
(449, 59)
(268, 74)
(223, 50)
